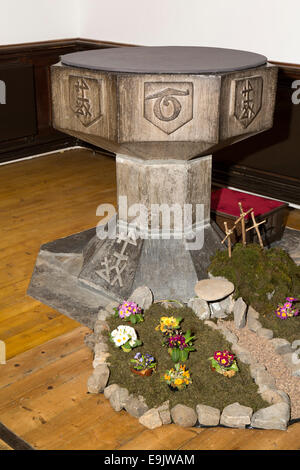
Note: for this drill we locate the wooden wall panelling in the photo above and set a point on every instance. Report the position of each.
(268, 163)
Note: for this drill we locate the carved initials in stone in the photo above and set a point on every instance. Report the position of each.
(248, 99)
(121, 261)
(85, 99)
(168, 108)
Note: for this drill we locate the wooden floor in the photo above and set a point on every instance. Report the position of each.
(43, 396)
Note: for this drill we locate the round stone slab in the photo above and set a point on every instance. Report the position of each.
(169, 59)
(212, 290)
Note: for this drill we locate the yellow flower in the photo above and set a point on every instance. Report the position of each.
(186, 381)
(167, 377)
(178, 381)
(186, 374)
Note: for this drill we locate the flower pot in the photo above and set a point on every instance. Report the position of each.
(226, 373)
(142, 373)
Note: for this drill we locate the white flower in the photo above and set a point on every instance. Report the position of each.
(122, 334)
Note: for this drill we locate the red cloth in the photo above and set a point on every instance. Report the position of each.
(226, 201)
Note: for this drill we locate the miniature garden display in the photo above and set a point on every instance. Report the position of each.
(189, 375)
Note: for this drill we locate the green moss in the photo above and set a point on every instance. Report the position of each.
(257, 273)
(208, 387)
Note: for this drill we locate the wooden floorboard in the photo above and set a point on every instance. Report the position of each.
(43, 395)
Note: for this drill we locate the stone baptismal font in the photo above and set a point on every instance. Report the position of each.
(163, 111)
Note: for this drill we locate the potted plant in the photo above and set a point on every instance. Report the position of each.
(143, 364)
(224, 363)
(179, 346)
(287, 309)
(177, 378)
(168, 325)
(129, 311)
(125, 337)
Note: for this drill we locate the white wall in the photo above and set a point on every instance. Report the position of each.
(270, 27)
(38, 20)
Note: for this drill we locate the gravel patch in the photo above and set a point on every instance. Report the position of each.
(265, 354)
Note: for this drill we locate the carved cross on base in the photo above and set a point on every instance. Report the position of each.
(255, 225)
(229, 232)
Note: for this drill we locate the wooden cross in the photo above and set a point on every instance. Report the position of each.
(242, 220)
(229, 232)
(255, 225)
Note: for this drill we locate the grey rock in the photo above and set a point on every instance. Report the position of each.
(211, 324)
(207, 415)
(281, 346)
(118, 398)
(212, 290)
(100, 326)
(265, 380)
(90, 340)
(101, 358)
(110, 389)
(273, 417)
(270, 294)
(101, 347)
(292, 360)
(228, 304)
(296, 344)
(164, 413)
(228, 335)
(102, 315)
(239, 312)
(275, 396)
(110, 307)
(142, 296)
(255, 368)
(184, 415)
(200, 307)
(135, 406)
(98, 380)
(151, 419)
(243, 354)
(236, 416)
(265, 333)
(171, 304)
(217, 311)
(253, 324)
(252, 313)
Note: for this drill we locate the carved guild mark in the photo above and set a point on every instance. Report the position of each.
(168, 106)
(84, 94)
(112, 271)
(248, 99)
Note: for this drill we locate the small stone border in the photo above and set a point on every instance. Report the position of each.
(276, 416)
